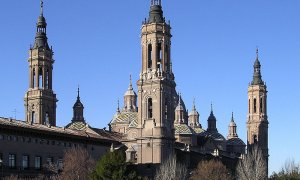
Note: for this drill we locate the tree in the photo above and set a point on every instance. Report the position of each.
(290, 171)
(171, 170)
(77, 164)
(211, 170)
(113, 166)
(252, 166)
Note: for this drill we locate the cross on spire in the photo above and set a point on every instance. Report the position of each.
(78, 92)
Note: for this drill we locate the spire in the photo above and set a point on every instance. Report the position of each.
(118, 108)
(78, 91)
(130, 83)
(156, 12)
(130, 98)
(232, 129)
(41, 39)
(212, 121)
(257, 79)
(42, 8)
(78, 109)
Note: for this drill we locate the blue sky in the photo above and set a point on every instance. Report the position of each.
(97, 45)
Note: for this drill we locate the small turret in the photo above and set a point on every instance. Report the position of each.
(78, 110)
(232, 129)
(180, 112)
(130, 98)
(194, 117)
(212, 122)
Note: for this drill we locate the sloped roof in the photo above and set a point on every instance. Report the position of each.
(124, 118)
(80, 126)
(198, 130)
(96, 134)
(183, 129)
(235, 142)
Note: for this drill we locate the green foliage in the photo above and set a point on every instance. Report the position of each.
(113, 166)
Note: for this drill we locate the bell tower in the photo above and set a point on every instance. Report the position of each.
(157, 97)
(40, 100)
(257, 123)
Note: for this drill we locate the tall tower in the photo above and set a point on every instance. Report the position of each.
(257, 123)
(40, 100)
(157, 97)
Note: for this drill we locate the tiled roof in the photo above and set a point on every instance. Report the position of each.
(235, 141)
(214, 135)
(124, 118)
(85, 133)
(80, 126)
(182, 129)
(198, 130)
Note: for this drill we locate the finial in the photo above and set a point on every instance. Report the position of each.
(78, 91)
(211, 107)
(42, 7)
(118, 108)
(130, 83)
(194, 104)
(232, 119)
(257, 52)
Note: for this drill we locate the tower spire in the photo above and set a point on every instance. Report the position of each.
(257, 79)
(78, 93)
(232, 132)
(130, 83)
(156, 12)
(42, 8)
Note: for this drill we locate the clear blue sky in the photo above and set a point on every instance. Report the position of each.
(97, 45)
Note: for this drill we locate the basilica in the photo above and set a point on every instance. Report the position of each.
(152, 123)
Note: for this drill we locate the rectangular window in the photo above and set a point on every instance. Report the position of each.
(37, 162)
(49, 160)
(12, 161)
(25, 162)
(60, 163)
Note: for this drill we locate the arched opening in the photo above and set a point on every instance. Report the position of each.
(47, 118)
(261, 105)
(47, 79)
(255, 139)
(33, 117)
(33, 78)
(159, 55)
(40, 78)
(254, 105)
(149, 55)
(150, 108)
(166, 58)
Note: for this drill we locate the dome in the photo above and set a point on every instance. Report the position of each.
(235, 142)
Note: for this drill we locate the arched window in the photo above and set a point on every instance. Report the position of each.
(255, 139)
(261, 105)
(33, 78)
(150, 108)
(33, 117)
(249, 105)
(47, 79)
(254, 105)
(159, 55)
(166, 58)
(47, 118)
(40, 78)
(149, 55)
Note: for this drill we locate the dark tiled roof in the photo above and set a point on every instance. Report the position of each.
(87, 132)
